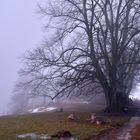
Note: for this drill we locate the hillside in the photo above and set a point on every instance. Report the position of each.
(50, 123)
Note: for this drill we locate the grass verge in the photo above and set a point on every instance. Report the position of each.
(50, 123)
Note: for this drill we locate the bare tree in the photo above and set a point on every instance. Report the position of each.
(93, 45)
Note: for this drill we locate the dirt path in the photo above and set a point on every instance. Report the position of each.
(120, 134)
(124, 132)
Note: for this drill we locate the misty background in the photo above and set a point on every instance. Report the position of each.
(21, 29)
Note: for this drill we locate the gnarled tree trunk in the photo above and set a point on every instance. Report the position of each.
(117, 102)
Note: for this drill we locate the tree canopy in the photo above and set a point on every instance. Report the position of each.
(92, 47)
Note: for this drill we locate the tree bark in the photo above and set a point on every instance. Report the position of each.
(117, 102)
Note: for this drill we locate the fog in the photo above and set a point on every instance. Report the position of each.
(20, 30)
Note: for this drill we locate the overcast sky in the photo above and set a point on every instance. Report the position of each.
(20, 30)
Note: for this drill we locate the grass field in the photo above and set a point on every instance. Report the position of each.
(136, 132)
(50, 123)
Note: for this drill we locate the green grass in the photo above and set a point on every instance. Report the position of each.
(50, 123)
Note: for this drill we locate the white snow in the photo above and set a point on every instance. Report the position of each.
(51, 108)
(42, 109)
(34, 136)
(31, 135)
(35, 110)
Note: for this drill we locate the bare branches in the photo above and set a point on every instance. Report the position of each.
(93, 42)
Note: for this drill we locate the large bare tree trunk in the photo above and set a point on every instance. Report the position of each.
(117, 102)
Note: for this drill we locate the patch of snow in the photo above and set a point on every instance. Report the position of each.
(34, 136)
(31, 135)
(44, 137)
(50, 108)
(81, 102)
(42, 109)
(35, 110)
(85, 102)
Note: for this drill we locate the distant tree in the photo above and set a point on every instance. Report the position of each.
(18, 104)
(92, 45)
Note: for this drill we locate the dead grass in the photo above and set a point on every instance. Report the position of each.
(136, 133)
(51, 123)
